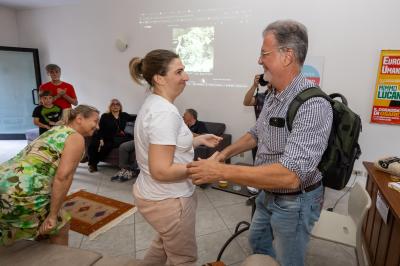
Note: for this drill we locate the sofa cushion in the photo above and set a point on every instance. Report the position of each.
(215, 128)
(32, 253)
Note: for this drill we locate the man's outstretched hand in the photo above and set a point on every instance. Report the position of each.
(204, 171)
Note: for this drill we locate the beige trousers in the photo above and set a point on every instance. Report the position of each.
(174, 220)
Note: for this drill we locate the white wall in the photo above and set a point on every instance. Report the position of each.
(8, 27)
(349, 34)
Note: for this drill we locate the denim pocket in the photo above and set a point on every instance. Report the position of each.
(285, 215)
(287, 203)
(315, 209)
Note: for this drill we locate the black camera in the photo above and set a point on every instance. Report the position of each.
(262, 81)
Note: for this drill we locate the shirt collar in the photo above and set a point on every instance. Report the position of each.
(293, 88)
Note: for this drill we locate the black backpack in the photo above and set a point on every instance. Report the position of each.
(343, 149)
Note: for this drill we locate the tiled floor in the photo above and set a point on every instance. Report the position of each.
(218, 213)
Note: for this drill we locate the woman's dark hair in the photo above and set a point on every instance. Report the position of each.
(154, 63)
(45, 93)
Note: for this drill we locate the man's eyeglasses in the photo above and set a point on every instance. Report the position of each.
(262, 53)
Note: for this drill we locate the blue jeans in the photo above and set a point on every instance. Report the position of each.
(286, 220)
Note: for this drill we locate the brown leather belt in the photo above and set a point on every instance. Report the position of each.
(307, 189)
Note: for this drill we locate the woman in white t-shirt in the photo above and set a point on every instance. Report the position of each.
(164, 145)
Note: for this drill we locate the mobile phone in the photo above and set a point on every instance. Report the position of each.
(262, 81)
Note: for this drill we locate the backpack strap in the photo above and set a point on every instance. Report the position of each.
(338, 95)
(300, 99)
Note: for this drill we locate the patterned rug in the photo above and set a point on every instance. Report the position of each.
(94, 214)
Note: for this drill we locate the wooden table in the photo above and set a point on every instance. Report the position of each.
(382, 239)
(234, 189)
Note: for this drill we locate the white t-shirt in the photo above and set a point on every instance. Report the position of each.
(159, 122)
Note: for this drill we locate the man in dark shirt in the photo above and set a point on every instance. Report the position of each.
(197, 127)
(46, 114)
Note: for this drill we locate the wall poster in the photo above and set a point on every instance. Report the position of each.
(386, 108)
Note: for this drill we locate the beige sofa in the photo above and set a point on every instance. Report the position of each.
(32, 253)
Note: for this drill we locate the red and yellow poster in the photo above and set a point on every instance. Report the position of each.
(386, 109)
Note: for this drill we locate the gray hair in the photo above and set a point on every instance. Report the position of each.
(192, 112)
(51, 67)
(290, 34)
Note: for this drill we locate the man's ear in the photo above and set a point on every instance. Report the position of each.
(288, 57)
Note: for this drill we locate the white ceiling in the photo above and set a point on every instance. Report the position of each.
(30, 4)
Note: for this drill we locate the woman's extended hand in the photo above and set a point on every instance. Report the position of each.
(49, 224)
(209, 140)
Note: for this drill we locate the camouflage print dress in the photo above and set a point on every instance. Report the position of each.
(25, 187)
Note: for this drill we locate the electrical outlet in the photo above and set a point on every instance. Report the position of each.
(241, 155)
(358, 173)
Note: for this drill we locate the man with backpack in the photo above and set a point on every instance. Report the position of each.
(286, 164)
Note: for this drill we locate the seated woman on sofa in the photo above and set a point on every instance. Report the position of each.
(34, 183)
(110, 134)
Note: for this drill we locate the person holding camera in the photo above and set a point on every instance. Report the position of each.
(256, 99)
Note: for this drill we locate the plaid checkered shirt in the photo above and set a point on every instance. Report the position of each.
(301, 149)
